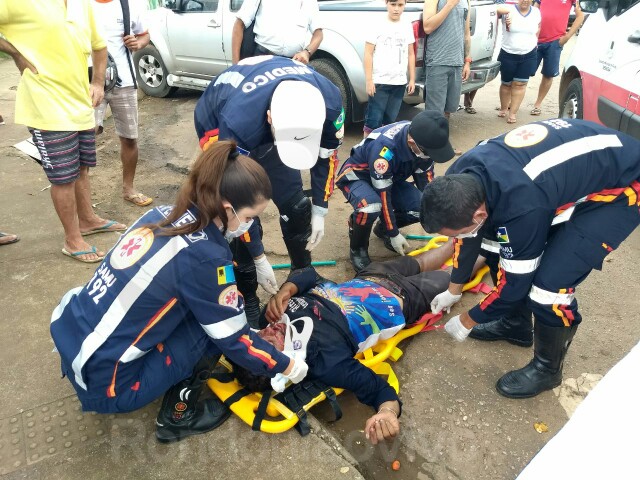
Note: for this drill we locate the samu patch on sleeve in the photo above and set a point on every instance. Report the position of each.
(226, 275)
(381, 166)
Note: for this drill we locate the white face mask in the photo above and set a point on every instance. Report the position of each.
(473, 233)
(243, 227)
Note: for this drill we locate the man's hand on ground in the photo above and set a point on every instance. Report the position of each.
(382, 426)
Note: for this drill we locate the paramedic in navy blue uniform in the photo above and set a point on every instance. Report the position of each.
(288, 118)
(164, 305)
(553, 198)
(373, 180)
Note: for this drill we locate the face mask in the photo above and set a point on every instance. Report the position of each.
(419, 153)
(473, 233)
(243, 227)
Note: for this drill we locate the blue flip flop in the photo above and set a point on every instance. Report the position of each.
(76, 255)
(105, 228)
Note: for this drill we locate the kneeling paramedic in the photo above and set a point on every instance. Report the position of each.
(163, 305)
(374, 180)
(548, 201)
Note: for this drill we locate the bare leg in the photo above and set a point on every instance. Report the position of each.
(87, 219)
(545, 86)
(517, 95)
(129, 158)
(505, 96)
(64, 201)
(434, 259)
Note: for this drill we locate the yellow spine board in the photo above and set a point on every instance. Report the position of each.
(279, 418)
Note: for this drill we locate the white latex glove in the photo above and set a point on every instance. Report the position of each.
(266, 277)
(399, 243)
(317, 231)
(296, 375)
(444, 301)
(455, 328)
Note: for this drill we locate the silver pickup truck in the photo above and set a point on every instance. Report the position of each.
(191, 45)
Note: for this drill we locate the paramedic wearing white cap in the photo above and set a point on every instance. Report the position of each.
(288, 118)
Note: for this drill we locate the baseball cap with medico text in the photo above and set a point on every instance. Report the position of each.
(298, 113)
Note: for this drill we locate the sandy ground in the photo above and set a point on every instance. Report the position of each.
(454, 424)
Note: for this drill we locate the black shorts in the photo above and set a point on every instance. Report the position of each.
(402, 277)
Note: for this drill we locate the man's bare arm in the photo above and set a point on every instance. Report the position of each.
(20, 61)
(431, 18)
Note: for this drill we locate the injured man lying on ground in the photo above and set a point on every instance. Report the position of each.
(327, 324)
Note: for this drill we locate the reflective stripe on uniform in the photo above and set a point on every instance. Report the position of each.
(123, 302)
(520, 266)
(545, 297)
(227, 327)
(381, 184)
(371, 208)
(57, 312)
(568, 151)
(490, 246)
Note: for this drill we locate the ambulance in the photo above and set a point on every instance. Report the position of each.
(601, 79)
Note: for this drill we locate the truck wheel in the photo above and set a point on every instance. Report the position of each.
(151, 72)
(332, 70)
(571, 105)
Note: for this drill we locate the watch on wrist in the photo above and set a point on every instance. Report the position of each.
(307, 50)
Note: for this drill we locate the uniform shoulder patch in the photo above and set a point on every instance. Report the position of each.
(339, 122)
(226, 275)
(381, 166)
(229, 297)
(502, 235)
(386, 153)
(131, 248)
(526, 136)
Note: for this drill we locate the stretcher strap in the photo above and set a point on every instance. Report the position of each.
(261, 412)
(430, 319)
(297, 396)
(243, 392)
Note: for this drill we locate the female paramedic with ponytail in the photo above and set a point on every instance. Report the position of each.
(163, 305)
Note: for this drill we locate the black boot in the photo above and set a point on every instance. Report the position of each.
(247, 281)
(298, 253)
(380, 232)
(544, 372)
(181, 415)
(515, 328)
(359, 245)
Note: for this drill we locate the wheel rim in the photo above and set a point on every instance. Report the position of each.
(570, 107)
(151, 71)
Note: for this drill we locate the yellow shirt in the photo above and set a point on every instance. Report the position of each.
(57, 40)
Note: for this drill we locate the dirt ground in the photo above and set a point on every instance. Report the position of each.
(454, 423)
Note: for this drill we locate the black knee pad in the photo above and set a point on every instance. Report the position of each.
(295, 218)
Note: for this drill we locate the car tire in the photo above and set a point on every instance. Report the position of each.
(571, 104)
(332, 70)
(151, 72)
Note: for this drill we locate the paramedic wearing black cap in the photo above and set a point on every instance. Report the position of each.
(373, 179)
(553, 198)
(288, 118)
